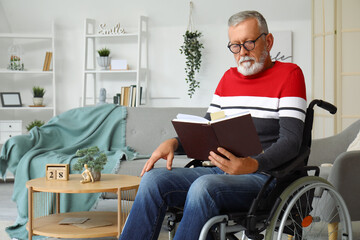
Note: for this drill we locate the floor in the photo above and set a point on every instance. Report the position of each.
(8, 215)
(7, 207)
(8, 212)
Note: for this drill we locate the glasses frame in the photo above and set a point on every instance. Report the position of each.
(243, 45)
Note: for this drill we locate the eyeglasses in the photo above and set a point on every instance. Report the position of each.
(248, 45)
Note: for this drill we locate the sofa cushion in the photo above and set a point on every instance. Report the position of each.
(355, 145)
(147, 127)
(135, 167)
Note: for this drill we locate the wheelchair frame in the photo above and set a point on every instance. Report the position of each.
(260, 218)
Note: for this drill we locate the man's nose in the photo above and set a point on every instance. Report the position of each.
(243, 52)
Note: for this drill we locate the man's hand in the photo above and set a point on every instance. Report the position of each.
(165, 151)
(233, 165)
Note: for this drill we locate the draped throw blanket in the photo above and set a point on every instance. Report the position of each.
(57, 142)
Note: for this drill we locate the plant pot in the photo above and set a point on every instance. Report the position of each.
(104, 62)
(96, 175)
(38, 101)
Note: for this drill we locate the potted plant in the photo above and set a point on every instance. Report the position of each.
(104, 59)
(94, 159)
(38, 95)
(35, 123)
(192, 50)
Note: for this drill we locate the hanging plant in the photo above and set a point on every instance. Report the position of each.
(192, 50)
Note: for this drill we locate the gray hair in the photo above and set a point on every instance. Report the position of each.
(242, 16)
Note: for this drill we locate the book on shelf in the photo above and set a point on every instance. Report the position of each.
(73, 220)
(93, 223)
(235, 133)
(124, 95)
(47, 61)
(128, 95)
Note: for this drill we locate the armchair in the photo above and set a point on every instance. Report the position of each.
(344, 174)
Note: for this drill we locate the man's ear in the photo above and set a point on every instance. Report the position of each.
(269, 41)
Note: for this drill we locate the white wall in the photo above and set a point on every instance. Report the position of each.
(168, 21)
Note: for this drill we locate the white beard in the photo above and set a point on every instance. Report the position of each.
(247, 68)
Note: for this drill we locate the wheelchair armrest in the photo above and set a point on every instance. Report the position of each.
(292, 165)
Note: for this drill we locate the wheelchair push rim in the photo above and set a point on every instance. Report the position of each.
(299, 217)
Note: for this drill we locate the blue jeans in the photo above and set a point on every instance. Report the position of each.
(203, 192)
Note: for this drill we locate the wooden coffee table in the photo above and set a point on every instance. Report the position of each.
(48, 224)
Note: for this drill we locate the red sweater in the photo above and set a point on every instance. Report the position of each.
(276, 99)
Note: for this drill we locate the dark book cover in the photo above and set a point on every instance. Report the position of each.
(237, 134)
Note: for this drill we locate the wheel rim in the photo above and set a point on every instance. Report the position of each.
(303, 219)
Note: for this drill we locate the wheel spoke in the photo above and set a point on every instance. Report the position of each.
(306, 212)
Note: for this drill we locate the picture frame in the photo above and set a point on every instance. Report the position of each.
(10, 99)
(119, 64)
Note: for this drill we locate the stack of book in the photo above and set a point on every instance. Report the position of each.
(128, 96)
(47, 61)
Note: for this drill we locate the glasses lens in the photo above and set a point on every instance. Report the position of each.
(249, 45)
(234, 48)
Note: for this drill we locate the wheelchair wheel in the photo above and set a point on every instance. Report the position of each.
(310, 208)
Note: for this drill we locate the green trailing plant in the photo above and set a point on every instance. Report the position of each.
(38, 92)
(192, 51)
(91, 156)
(35, 123)
(104, 52)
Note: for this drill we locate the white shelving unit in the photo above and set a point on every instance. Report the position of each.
(35, 47)
(138, 69)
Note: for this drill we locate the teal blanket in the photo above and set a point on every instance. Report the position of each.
(56, 142)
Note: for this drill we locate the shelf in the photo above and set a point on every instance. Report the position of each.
(26, 108)
(111, 71)
(111, 35)
(24, 35)
(14, 80)
(137, 75)
(49, 225)
(25, 72)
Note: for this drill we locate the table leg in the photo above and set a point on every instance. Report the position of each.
(333, 230)
(30, 211)
(119, 212)
(57, 203)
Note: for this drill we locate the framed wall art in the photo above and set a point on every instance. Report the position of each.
(10, 99)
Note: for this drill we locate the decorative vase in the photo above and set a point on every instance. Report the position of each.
(104, 62)
(38, 101)
(96, 175)
(15, 58)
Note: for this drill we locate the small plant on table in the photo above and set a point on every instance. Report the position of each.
(94, 159)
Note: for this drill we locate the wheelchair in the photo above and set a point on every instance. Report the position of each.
(302, 205)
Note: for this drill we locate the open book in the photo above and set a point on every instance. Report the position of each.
(235, 133)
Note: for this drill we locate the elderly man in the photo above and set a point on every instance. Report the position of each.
(274, 93)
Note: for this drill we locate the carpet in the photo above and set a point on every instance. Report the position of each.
(163, 233)
(3, 225)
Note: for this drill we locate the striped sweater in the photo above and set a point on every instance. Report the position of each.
(276, 99)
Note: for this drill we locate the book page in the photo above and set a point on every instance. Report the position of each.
(190, 118)
(196, 119)
(231, 116)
